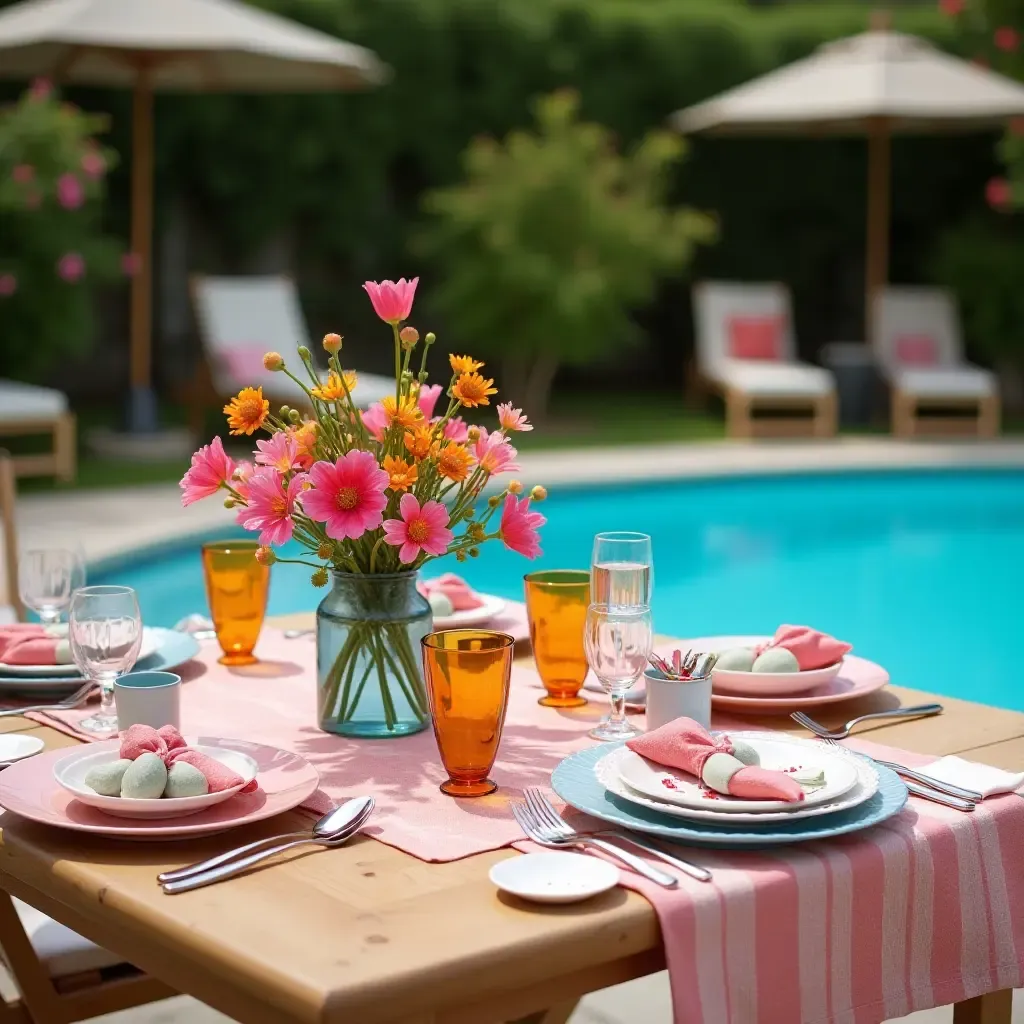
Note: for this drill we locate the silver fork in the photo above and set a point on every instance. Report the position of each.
(545, 811)
(918, 711)
(961, 799)
(545, 836)
(67, 704)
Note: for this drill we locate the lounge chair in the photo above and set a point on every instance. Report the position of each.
(917, 340)
(241, 318)
(746, 351)
(28, 409)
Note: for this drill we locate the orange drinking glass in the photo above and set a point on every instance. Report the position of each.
(556, 605)
(467, 673)
(236, 588)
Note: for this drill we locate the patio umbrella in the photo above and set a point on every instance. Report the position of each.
(876, 84)
(173, 45)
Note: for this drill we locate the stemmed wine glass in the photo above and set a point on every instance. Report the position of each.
(620, 570)
(105, 631)
(46, 579)
(618, 643)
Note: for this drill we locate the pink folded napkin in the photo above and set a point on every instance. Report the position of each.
(27, 643)
(168, 744)
(455, 588)
(810, 648)
(688, 746)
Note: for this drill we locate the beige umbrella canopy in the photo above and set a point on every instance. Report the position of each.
(873, 84)
(173, 45)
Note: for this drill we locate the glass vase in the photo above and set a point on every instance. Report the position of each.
(369, 674)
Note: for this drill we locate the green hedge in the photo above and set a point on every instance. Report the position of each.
(347, 172)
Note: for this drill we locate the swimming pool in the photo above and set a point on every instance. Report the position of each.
(921, 571)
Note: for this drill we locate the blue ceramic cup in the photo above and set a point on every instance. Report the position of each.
(148, 698)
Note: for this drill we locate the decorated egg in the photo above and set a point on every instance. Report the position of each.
(145, 778)
(776, 659)
(739, 659)
(105, 779)
(185, 779)
(440, 604)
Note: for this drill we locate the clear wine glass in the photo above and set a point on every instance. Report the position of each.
(105, 631)
(45, 581)
(78, 574)
(621, 569)
(618, 642)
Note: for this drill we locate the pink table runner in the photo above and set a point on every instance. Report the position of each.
(921, 911)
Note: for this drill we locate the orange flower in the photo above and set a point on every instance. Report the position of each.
(334, 389)
(247, 411)
(472, 390)
(418, 441)
(305, 440)
(453, 462)
(407, 415)
(464, 364)
(402, 474)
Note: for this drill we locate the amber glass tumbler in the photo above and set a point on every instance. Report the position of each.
(236, 589)
(467, 672)
(556, 605)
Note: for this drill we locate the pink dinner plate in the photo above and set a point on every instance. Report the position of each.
(28, 788)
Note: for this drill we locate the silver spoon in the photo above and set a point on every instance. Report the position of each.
(338, 819)
(293, 634)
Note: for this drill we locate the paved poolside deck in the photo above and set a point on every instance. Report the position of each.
(110, 523)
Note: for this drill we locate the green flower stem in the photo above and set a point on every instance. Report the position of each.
(410, 698)
(382, 678)
(297, 561)
(400, 642)
(398, 367)
(329, 693)
(347, 710)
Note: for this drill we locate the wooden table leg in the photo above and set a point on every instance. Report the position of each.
(559, 1014)
(991, 1008)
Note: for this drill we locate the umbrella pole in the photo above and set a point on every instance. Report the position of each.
(876, 269)
(142, 410)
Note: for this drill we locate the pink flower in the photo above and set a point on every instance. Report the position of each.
(211, 467)
(23, 173)
(392, 300)
(271, 505)
(427, 399)
(93, 164)
(1006, 38)
(494, 453)
(241, 477)
(70, 193)
(71, 267)
(419, 529)
(951, 8)
(512, 419)
(456, 429)
(41, 89)
(281, 452)
(131, 264)
(519, 526)
(8, 285)
(999, 194)
(348, 495)
(375, 419)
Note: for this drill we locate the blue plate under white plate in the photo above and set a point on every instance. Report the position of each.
(175, 649)
(575, 782)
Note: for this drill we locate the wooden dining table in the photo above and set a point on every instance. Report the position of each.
(367, 934)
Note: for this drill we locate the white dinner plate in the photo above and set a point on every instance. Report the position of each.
(15, 745)
(607, 773)
(151, 641)
(554, 877)
(70, 772)
(780, 753)
(471, 616)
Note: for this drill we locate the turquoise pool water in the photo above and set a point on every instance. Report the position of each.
(920, 571)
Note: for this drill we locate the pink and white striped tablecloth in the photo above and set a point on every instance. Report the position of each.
(924, 910)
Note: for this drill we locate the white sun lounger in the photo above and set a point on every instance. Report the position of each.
(918, 345)
(241, 318)
(746, 350)
(28, 409)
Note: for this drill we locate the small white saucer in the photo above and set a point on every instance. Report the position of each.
(554, 877)
(15, 746)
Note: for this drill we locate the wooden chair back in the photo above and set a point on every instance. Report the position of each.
(9, 546)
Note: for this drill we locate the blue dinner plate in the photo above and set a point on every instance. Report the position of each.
(575, 782)
(174, 650)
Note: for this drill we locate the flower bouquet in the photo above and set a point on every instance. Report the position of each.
(373, 495)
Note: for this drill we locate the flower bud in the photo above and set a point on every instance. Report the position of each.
(473, 434)
(304, 353)
(476, 531)
(422, 376)
(273, 361)
(332, 343)
(319, 577)
(460, 555)
(325, 550)
(494, 501)
(229, 502)
(284, 412)
(408, 336)
(430, 338)
(515, 487)
(539, 493)
(265, 556)
(470, 513)
(474, 552)
(294, 416)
